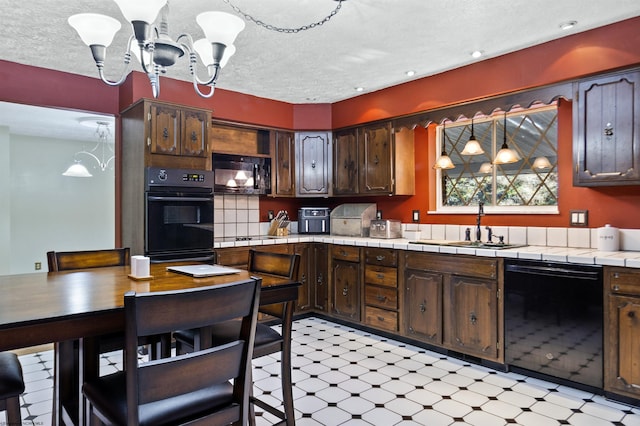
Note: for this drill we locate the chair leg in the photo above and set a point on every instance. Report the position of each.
(285, 359)
(14, 417)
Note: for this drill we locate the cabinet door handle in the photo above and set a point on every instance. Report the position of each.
(381, 319)
(194, 136)
(345, 291)
(165, 133)
(381, 298)
(313, 164)
(608, 130)
(472, 318)
(616, 288)
(376, 160)
(631, 314)
(380, 258)
(320, 279)
(423, 307)
(380, 276)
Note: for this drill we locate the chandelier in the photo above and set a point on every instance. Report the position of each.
(102, 153)
(156, 50)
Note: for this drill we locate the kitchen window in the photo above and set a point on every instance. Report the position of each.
(529, 185)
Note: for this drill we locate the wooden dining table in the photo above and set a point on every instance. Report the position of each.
(70, 308)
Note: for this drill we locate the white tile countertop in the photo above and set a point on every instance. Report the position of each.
(588, 256)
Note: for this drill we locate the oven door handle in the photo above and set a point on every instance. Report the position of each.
(156, 198)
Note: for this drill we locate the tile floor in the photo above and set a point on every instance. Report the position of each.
(345, 376)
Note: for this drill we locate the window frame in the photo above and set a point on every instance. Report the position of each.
(490, 208)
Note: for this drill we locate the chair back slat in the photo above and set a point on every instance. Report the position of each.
(189, 375)
(184, 374)
(70, 260)
(156, 314)
(281, 264)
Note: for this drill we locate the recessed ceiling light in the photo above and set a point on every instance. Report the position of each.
(476, 54)
(568, 25)
(359, 89)
(410, 73)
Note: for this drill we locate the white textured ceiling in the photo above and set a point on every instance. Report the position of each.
(368, 43)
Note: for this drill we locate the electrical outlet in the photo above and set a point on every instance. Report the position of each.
(416, 216)
(38, 266)
(579, 218)
(379, 214)
(270, 215)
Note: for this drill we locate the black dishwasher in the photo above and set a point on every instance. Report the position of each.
(554, 320)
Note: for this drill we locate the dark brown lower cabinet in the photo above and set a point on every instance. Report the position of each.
(622, 332)
(312, 293)
(471, 316)
(345, 282)
(423, 305)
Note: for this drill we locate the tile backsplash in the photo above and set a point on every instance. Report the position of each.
(236, 215)
(530, 235)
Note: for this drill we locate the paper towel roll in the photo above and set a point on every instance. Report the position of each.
(608, 238)
(140, 266)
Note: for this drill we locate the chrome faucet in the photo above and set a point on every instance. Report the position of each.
(478, 226)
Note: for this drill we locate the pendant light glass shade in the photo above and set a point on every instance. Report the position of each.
(140, 10)
(95, 29)
(473, 146)
(541, 163)
(486, 168)
(444, 161)
(220, 27)
(506, 155)
(77, 170)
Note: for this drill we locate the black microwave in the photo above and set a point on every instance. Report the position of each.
(241, 174)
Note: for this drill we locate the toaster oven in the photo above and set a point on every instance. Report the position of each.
(313, 220)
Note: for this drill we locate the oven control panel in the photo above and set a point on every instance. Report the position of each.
(157, 176)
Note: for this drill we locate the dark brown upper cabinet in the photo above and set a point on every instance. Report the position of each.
(606, 127)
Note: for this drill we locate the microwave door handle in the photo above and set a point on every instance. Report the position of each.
(323, 223)
(255, 177)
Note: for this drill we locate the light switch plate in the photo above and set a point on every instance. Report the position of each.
(416, 215)
(578, 217)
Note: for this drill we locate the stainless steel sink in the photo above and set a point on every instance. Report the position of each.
(469, 244)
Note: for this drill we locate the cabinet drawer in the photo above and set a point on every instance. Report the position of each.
(380, 318)
(380, 256)
(454, 264)
(387, 320)
(624, 282)
(351, 254)
(381, 275)
(381, 297)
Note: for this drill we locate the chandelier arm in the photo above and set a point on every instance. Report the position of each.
(99, 59)
(212, 88)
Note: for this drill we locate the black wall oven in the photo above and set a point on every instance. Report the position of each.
(178, 214)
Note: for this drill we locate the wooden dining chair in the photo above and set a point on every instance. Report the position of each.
(70, 260)
(185, 388)
(11, 386)
(268, 340)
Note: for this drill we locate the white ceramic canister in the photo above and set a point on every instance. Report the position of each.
(608, 238)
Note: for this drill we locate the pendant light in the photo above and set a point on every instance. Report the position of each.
(541, 163)
(505, 155)
(444, 162)
(473, 146)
